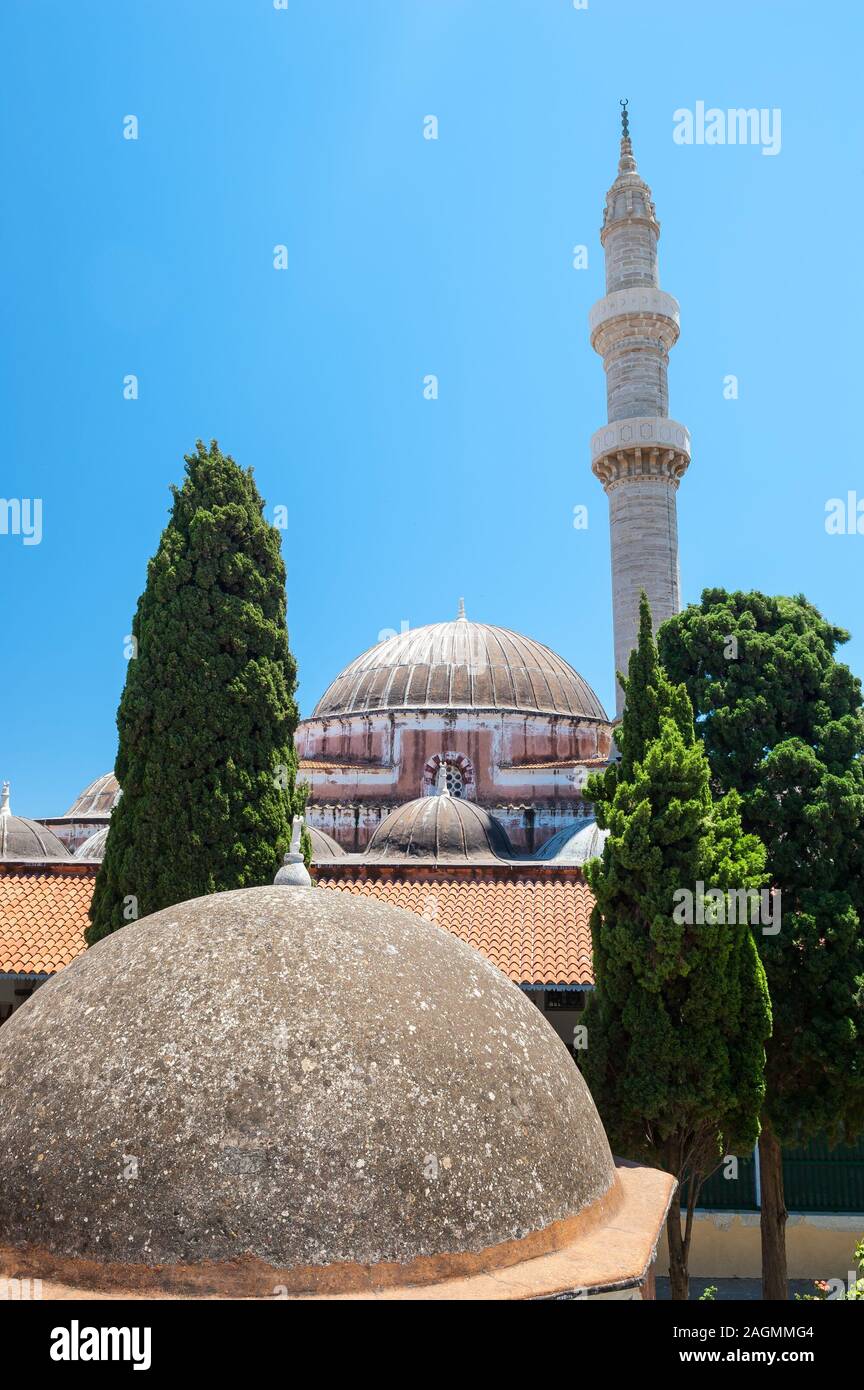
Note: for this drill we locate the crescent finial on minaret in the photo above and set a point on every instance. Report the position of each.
(627, 164)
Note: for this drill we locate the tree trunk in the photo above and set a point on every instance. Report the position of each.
(773, 1222)
(679, 1279)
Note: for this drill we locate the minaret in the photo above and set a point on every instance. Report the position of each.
(641, 455)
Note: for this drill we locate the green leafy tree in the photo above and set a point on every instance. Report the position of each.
(206, 721)
(781, 721)
(679, 1018)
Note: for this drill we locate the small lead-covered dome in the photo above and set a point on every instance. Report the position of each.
(442, 829)
(323, 845)
(94, 846)
(576, 844)
(97, 800)
(323, 1093)
(23, 839)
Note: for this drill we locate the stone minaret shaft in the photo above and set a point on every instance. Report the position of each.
(640, 455)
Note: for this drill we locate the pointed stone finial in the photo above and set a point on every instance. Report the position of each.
(293, 873)
(441, 788)
(5, 809)
(460, 616)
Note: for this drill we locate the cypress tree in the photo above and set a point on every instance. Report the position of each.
(677, 1025)
(206, 721)
(781, 721)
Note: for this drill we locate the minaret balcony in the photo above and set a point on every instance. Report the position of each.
(639, 311)
(641, 449)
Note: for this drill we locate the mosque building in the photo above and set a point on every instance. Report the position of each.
(446, 768)
(447, 764)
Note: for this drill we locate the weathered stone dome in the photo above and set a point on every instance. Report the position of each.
(289, 1087)
(21, 838)
(94, 846)
(442, 829)
(97, 800)
(323, 845)
(459, 665)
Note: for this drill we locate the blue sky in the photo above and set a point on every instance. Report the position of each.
(406, 256)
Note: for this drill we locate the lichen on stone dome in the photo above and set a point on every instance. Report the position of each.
(441, 829)
(322, 1093)
(460, 665)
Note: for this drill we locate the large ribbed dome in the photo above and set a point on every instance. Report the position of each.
(460, 665)
(442, 829)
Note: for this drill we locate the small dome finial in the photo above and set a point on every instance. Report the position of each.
(296, 830)
(441, 788)
(461, 613)
(625, 119)
(293, 873)
(5, 809)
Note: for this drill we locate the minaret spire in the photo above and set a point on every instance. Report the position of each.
(626, 162)
(641, 455)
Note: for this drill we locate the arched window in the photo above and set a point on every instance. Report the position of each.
(454, 780)
(460, 775)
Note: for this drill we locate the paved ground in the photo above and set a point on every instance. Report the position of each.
(749, 1290)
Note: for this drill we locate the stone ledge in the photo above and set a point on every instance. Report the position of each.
(614, 1252)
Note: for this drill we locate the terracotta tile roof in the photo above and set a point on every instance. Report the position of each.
(334, 765)
(532, 925)
(535, 929)
(43, 914)
(556, 765)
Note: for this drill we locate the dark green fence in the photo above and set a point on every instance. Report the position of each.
(731, 1194)
(816, 1178)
